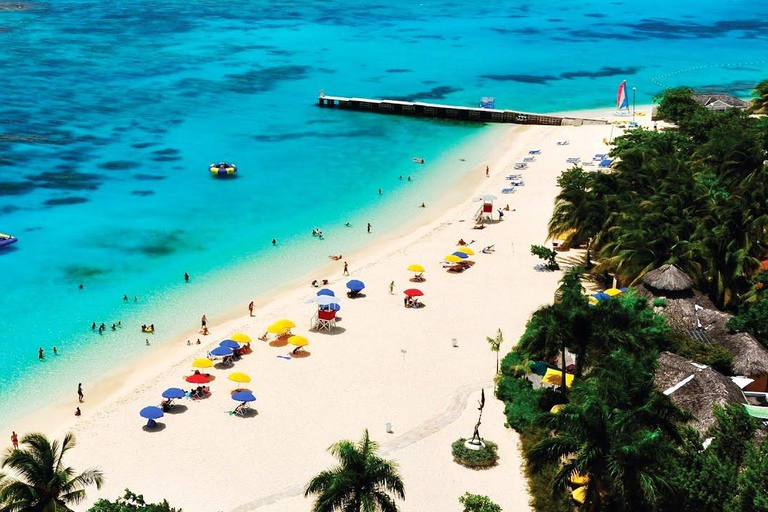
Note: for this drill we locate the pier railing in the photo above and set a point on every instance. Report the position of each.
(458, 113)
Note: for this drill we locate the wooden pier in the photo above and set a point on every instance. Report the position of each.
(434, 110)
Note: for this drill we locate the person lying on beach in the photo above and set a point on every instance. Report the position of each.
(204, 332)
(335, 258)
(315, 284)
(325, 281)
(264, 336)
(461, 242)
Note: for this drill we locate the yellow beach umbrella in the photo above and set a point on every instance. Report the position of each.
(239, 377)
(240, 338)
(299, 341)
(613, 291)
(556, 408)
(289, 324)
(277, 328)
(465, 250)
(415, 267)
(202, 363)
(556, 377)
(452, 258)
(579, 494)
(579, 479)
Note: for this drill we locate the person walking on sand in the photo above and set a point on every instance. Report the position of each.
(203, 322)
(250, 309)
(15, 440)
(487, 172)
(346, 269)
(369, 227)
(77, 411)
(391, 287)
(80, 394)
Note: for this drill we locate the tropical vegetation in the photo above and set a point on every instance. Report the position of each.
(361, 482)
(484, 457)
(478, 503)
(695, 196)
(44, 483)
(131, 502)
(613, 440)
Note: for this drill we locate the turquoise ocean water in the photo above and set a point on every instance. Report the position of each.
(110, 112)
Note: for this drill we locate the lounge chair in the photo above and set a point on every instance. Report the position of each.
(510, 190)
(534, 152)
(563, 142)
(521, 165)
(488, 249)
(514, 176)
(242, 409)
(573, 160)
(517, 183)
(529, 159)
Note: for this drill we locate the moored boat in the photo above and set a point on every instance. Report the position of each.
(6, 240)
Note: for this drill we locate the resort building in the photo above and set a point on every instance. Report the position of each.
(720, 102)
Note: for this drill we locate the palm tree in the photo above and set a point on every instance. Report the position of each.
(618, 430)
(760, 102)
(495, 344)
(45, 484)
(362, 481)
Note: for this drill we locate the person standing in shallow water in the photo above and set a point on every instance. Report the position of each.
(369, 227)
(40, 354)
(204, 322)
(186, 277)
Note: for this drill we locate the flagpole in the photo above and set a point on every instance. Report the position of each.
(634, 103)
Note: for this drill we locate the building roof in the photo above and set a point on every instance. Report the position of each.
(731, 101)
(749, 356)
(668, 278)
(695, 388)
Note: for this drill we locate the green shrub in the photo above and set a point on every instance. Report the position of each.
(485, 457)
(752, 318)
(522, 402)
(131, 502)
(478, 503)
(660, 302)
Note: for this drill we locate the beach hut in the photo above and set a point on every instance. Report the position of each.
(695, 388)
(697, 317)
(669, 281)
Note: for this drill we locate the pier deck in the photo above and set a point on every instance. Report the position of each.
(434, 110)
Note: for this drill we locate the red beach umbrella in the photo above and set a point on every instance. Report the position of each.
(198, 378)
(413, 292)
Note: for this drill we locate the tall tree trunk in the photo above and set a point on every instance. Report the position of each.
(564, 380)
(588, 264)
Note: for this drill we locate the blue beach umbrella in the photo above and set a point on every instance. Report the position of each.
(221, 351)
(171, 393)
(243, 396)
(151, 413)
(461, 255)
(230, 344)
(601, 296)
(334, 307)
(326, 291)
(355, 285)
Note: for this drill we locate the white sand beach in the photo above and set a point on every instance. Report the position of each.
(384, 363)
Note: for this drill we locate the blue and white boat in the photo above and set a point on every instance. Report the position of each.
(6, 240)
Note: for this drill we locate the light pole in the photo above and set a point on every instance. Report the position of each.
(634, 103)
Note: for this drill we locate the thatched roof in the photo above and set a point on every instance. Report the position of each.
(706, 100)
(749, 356)
(668, 278)
(695, 388)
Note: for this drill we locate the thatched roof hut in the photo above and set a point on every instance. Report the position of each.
(695, 388)
(668, 280)
(749, 356)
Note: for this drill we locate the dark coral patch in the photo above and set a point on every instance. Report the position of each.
(119, 165)
(61, 201)
(148, 177)
(436, 93)
(66, 180)
(15, 188)
(143, 193)
(78, 273)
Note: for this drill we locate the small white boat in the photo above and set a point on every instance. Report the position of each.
(6, 240)
(418, 160)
